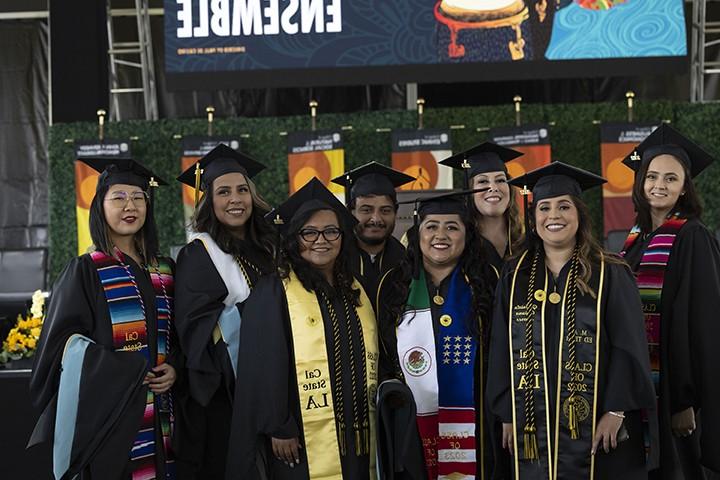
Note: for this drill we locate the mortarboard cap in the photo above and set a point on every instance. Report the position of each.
(127, 171)
(217, 162)
(557, 179)
(312, 197)
(441, 204)
(667, 140)
(372, 179)
(483, 158)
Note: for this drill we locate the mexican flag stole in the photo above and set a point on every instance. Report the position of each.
(313, 378)
(129, 327)
(650, 277)
(545, 449)
(440, 373)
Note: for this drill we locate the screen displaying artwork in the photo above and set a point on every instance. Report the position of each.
(250, 43)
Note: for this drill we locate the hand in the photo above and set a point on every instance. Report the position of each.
(606, 432)
(507, 437)
(287, 450)
(161, 378)
(683, 423)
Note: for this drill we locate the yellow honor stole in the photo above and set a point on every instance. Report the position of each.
(313, 377)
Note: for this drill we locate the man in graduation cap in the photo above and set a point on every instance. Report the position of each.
(372, 200)
(105, 362)
(433, 312)
(231, 246)
(570, 369)
(308, 357)
(676, 261)
(495, 210)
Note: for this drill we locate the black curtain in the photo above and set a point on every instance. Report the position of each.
(23, 133)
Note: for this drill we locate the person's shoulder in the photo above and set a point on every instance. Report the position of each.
(694, 227)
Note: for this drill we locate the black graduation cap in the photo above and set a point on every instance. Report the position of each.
(667, 140)
(311, 197)
(556, 179)
(372, 179)
(483, 158)
(441, 204)
(217, 162)
(127, 171)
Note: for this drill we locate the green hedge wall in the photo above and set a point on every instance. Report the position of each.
(574, 135)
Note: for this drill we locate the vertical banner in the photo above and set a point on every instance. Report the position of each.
(86, 181)
(315, 154)
(532, 140)
(194, 148)
(417, 153)
(617, 140)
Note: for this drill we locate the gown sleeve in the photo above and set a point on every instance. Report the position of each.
(628, 386)
(498, 380)
(199, 295)
(266, 396)
(695, 330)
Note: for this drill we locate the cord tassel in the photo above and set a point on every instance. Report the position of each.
(358, 446)
(341, 437)
(530, 443)
(573, 419)
(366, 438)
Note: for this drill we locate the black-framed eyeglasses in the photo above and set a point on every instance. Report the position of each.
(330, 234)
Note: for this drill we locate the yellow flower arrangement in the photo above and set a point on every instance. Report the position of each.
(22, 339)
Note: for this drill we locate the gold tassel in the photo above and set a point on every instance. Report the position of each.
(530, 443)
(358, 446)
(366, 439)
(341, 437)
(573, 420)
(198, 172)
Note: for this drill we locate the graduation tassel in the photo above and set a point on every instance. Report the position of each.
(358, 440)
(530, 447)
(366, 438)
(341, 437)
(525, 193)
(573, 419)
(198, 172)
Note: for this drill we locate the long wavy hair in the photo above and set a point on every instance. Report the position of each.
(473, 265)
(310, 277)
(258, 233)
(590, 251)
(688, 204)
(146, 239)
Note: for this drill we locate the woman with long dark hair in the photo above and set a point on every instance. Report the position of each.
(433, 313)
(676, 261)
(495, 212)
(106, 360)
(570, 370)
(307, 373)
(231, 246)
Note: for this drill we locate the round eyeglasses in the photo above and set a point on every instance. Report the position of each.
(120, 199)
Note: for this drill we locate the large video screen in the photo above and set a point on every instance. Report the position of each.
(253, 43)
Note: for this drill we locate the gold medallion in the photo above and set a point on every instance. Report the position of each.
(554, 298)
(582, 407)
(445, 320)
(438, 300)
(540, 295)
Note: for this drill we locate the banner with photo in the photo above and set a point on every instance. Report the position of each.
(532, 140)
(315, 154)
(193, 149)
(617, 140)
(417, 153)
(86, 181)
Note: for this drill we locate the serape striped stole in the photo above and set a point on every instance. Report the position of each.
(129, 327)
(650, 277)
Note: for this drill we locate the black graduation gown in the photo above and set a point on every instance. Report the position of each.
(390, 364)
(624, 373)
(266, 395)
(205, 406)
(369, 272)
(689, 332)
(492, 256)
(78, 305)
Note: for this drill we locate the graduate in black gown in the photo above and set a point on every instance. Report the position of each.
(307, 371)
(371, 198)
(495, 210)
(676, 260)
(570, 373)
(231, 246)
(434, 312)
(106, 359)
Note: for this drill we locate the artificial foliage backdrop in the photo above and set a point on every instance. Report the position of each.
(574, 133)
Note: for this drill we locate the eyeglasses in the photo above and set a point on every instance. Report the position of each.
(120, 199)
(330, 234)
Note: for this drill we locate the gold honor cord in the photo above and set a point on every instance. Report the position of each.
(530, 447)
(573, 422)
